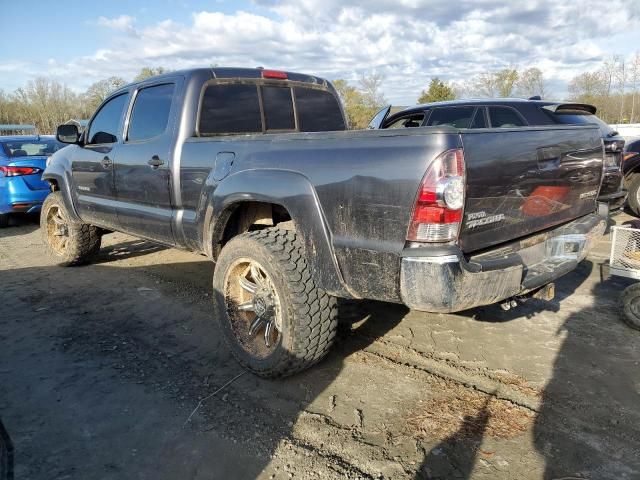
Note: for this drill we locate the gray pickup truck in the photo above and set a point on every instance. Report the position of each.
(255, 169)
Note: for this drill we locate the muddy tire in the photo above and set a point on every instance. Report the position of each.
(633, 199)
(67, 242)
(631, 305)
(274, 318)
(4, 220)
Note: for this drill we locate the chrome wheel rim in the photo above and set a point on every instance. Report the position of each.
(253, 306)
(57, 230)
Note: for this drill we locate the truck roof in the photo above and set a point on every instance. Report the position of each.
(233, 73)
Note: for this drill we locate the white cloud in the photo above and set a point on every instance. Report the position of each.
(123, 23)
(408, 41)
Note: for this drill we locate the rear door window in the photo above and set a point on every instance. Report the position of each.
(457, 117)
(278, 108)
(318, 110)
(230, 108)
(150, 114)
(504, 117)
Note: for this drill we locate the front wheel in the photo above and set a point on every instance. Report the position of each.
(67, 242)
(631, 305)
(274, 318)
(4, 220)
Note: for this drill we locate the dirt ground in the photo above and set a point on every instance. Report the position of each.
(116, 370)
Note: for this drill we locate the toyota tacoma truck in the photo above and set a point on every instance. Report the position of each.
(256, 169)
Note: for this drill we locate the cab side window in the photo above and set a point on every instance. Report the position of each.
(104, 127)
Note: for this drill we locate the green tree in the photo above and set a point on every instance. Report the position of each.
(506, 80)
(146, 72)
(361, 104)
(98, 91)
(438, 91)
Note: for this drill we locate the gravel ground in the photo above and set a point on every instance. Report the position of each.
(116, 370)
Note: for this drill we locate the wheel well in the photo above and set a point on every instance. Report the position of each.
(250, 216)
(53, 185)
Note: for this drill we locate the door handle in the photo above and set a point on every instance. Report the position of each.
(155, 161)
(106, 162)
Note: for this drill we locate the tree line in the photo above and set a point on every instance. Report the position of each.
(47, 103)
(612, 88)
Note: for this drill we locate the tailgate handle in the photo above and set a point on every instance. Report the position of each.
(548, 158)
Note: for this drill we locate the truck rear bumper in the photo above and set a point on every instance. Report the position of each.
(451, 283)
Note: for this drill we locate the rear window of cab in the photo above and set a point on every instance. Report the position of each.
(245, 108)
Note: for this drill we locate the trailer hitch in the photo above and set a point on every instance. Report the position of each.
(546, 292)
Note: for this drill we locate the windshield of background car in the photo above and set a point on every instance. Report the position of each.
(31, 148)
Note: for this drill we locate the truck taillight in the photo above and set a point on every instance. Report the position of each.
(13, 171)
(437, 214)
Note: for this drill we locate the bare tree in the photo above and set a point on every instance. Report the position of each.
(634, 77)
(609, 70)
(484, 85)
(621, 79)
(531, 82)
(371, 89)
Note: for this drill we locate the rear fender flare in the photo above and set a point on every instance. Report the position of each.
(294, 192)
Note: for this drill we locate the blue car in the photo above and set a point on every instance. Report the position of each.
(23, 158)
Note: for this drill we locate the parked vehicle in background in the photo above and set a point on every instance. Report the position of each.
(22, 160)
(519, 112)
(255, 169)
(18, 129)
(631, 171)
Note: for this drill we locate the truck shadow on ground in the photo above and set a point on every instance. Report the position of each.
(130, 368)
(126, 250)
(588, 425)
(21, 224)
(122, 363)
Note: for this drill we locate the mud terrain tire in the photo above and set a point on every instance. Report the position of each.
(68, 243)
(272, 263)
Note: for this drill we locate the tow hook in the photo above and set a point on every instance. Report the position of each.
(547, 293)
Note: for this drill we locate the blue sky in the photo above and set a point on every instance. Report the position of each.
(406, 41)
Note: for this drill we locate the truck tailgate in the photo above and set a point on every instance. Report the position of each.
(524, 180)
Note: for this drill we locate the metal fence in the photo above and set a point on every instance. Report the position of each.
(625, 252)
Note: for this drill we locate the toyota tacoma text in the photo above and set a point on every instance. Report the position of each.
(255, 169)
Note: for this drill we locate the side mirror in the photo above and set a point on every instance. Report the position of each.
(68, 134)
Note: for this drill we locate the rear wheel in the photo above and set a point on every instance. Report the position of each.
(4, 220)
(633, 200)
(274, 318)
(69, 243)
(631, 305)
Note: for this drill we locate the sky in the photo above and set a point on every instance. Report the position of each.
(406, 41)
